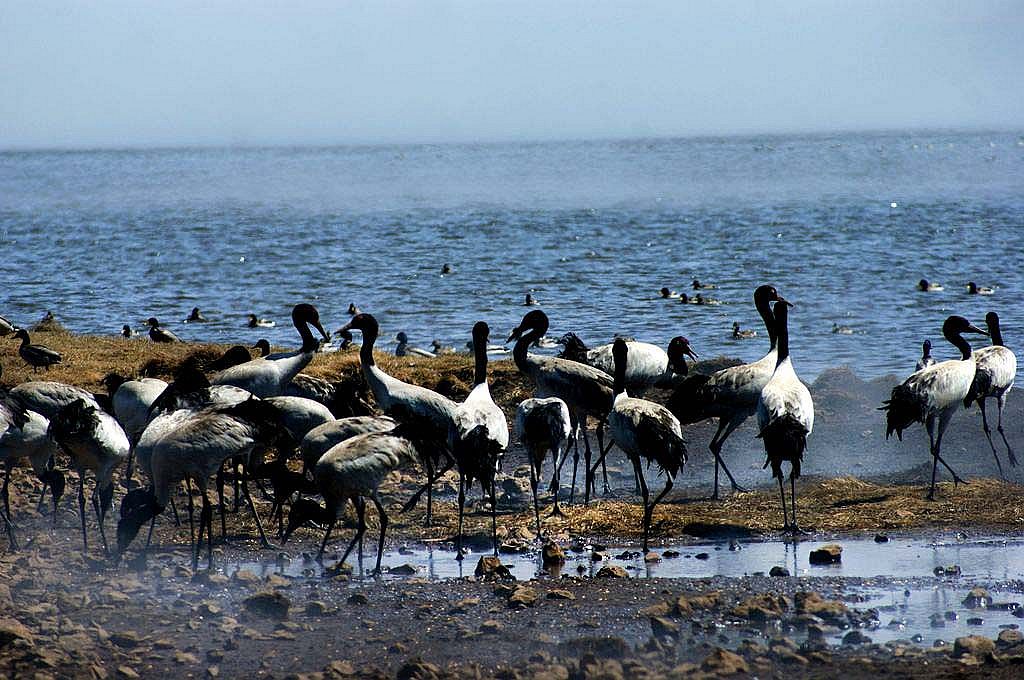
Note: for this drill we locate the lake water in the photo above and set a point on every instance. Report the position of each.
(843, 225)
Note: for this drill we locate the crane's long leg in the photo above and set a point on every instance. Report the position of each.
(462, 511)
(81, 508)
(8, 466)
(383, 529)
(360, 529)
(792, 500)
(944, 420)
(988, 436)
(603, 453)
(327, 531)
(101, 499)
(196, 547)
(657, 499)
(220, 503)
(574, 426)
(1001, 402)
(534, 475)
(725, 428)
(252, 506)
(206, 518)
(782, 493)
(644, 493)
(930, 426)
(494, 518)
(10, 531)
(588, 483)
(556, 478)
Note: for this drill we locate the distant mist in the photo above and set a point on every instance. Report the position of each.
(127, 73)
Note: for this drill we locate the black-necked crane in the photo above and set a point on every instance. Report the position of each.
(994, 376)
(268, 376)
(23, 435)
(193, 447)
(932, 395)
(585, 389)
(95, 441)
(544, 425)
(353, 471)
(479, 436)
(926, 359)
(785, 416)
(731, 394)
(647, 431)
(158, 334)
(649, 365)
(426, 414)
(321, 439)
(36, 356)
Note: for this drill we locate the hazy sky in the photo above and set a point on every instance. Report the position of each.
(131, 72)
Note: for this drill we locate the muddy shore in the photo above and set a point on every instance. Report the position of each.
(69, 614)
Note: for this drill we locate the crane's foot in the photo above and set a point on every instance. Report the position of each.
(739, 489)
(460, 555)
(556, 512)
(795, 530)
(268, 545)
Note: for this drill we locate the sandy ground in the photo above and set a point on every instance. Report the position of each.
(65, 613)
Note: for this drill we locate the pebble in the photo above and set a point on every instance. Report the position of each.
(778, 571)
(560, 594)
(977, 598)
(827, 554)
(268, 603)
(612, 571)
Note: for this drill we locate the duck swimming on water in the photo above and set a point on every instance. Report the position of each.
(195, 316)
(404, 349)
(975, 289)
(697, 285)
(256, 322)
(739, 333)
(668, 294)
(530, 301)
(926, 286)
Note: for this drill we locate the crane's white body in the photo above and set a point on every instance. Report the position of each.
(784, 394)
(46, 397)
(647, 366)
(300, 415)
(131, 402)
(322, 438)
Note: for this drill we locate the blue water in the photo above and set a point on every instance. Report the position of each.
(592, 229)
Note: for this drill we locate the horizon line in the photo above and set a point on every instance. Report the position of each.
(381, 143)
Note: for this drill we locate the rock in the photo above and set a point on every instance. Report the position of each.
(855, 637)
(523, 597)
(662, 627)
(977, 598)
(830, 611)
(128, 672)
(246, 577)
(975, 621)
(214, 656)
(761, 607)
(339, 669)
(11, 630)
(937, 621)
(612, 571)
(671, 554)
(268, 603)
(213, 672)
(724, 662)
(560, 594)
(1009, 638)
(974, 645)
(491, 627)
(778, 571)
(657, 609)
(951, 570)
(209, 609)
(652, 557)
(357, 598)
(185, 658)
(126, 639)
(552, 553)
(881, 538)
(490, 568)
(702, 556)
(417, 669)
(403, 570)
(316, 608)
(827, 554)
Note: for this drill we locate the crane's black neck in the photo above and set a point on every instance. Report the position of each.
(620, 354)
(764, 308)
(995, 331)
(782, 331)
(958, 341)
(522, 345)
(309, 341)
(480, 357)
(370, 331)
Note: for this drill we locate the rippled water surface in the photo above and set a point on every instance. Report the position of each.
(844, 225)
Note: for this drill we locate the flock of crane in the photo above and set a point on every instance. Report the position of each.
(193, 428)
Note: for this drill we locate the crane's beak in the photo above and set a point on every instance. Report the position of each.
(516, 332)
(316, 325)
(690, 353)
(974, 329)
(785, 301)
(344, 329)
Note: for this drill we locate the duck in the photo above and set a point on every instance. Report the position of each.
(697, 285)
(157, 334)
(926, 359)
(975, 289)
(668, 293)
(699, 299)
(686, 299)
(841, 330)
(263, 345)
(742, 334)
(439, 348)
(353, 310)
(256, 322)
(268, 376)
(926, 286)
(404, 349)
(195, 316)
(36, 356)
(447, 269)
(530, 301)
(127, 332)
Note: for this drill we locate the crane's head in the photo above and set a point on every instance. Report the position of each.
(678, 349)
(534, 322)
